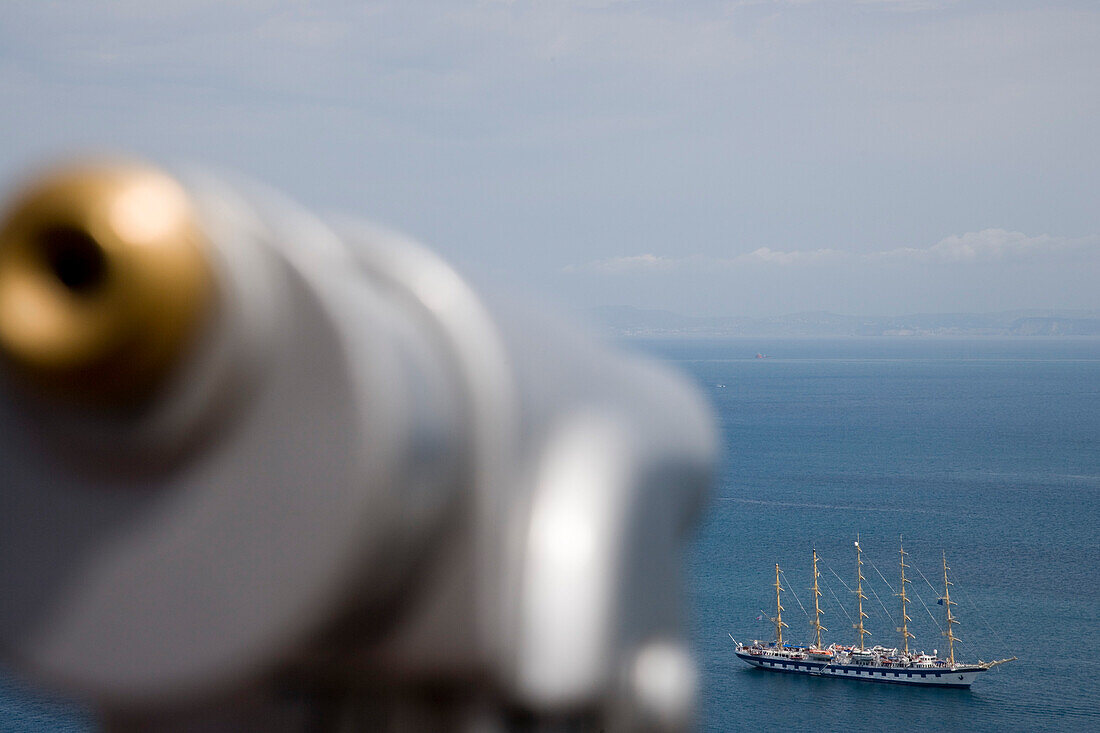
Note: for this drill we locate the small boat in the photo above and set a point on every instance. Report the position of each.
(860, 662)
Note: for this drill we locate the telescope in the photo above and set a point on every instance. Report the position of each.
(268, 471)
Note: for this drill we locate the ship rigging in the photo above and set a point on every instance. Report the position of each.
(858, 661)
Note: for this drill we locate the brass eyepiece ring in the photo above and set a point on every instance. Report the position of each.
(103, 282)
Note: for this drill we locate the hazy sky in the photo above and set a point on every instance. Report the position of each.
(743, 157)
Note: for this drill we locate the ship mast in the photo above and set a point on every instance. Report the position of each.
(905, 635)
(778, 610)
(860, 598)
(818, 628)
(947, 602)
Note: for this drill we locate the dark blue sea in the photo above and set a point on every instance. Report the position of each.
(987, 450)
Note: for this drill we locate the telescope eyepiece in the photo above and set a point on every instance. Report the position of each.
(74, 257)
(104, 281)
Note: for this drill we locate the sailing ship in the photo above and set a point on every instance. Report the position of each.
(859, 661)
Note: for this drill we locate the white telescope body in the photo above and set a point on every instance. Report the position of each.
(361, 481)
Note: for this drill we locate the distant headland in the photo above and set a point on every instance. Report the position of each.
(626, 321)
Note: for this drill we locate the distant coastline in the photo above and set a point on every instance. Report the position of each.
(626, 321)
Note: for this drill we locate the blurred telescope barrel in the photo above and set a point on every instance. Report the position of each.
(263, 471)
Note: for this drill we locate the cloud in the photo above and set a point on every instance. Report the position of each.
(794, 257)
(982, 247)
(631, 263)
(988, 245)
(649, 262)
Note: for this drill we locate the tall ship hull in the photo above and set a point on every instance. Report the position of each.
(859, 662)
(959, 676)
